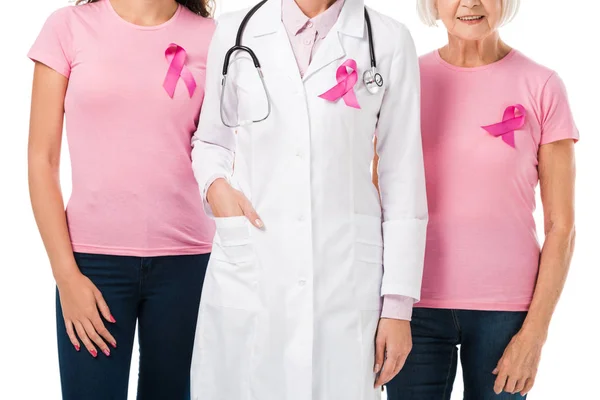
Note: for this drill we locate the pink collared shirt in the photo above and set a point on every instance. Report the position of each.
(305, 35)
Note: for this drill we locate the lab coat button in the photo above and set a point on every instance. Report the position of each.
(300, 154)
(301, 282)
(300, 218)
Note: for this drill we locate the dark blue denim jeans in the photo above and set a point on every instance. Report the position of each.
(430, 369)
(161, 295)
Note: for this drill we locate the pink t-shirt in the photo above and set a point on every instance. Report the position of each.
(482, 251)
(134, 191)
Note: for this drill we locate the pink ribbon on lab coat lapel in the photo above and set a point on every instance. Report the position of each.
(345, 86)
(510, 123)
(177, 56)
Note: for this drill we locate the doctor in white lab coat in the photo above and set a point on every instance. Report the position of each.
(305, 245)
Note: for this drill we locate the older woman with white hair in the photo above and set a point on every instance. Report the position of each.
(494, 123)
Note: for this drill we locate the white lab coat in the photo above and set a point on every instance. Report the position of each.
(290, 312)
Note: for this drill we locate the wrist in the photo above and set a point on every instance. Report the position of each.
(397, 321)
(67, 275)
(397, 307)
(217, 185)
(536, 330)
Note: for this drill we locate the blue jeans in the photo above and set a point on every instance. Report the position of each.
(161, 295)
(430, 369)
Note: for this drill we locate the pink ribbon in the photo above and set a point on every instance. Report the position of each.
(510, 123)
(345, 86)
(177, 56)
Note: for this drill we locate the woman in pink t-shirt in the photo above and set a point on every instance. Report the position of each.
(132, 248)
(494, 123)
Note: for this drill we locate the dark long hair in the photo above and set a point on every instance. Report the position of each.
(200, 7)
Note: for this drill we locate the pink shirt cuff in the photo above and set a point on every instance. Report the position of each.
(397, 307)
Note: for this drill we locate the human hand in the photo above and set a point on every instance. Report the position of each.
(226, 201)
(82, 303)
(392, 346)
(517, 369)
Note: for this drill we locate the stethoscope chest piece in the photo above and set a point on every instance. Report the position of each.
(373, 80)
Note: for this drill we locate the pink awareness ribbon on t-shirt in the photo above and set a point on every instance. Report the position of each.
(345, 86)
(510, 123)
(177, 56)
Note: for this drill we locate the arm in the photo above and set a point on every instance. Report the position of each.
(518, 367)
(394, 306)
(401, 176)
(374, 165)
(557, 184)
(213, 145)
(401, 179)
(45, 134)
(80, 299)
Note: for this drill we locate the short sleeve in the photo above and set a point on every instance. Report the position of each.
(557, 119)
(53, 45)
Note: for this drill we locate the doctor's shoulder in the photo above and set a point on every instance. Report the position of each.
(227, 25)
(231, 20)
(395, 34)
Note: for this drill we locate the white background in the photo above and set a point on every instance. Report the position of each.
(559, 34)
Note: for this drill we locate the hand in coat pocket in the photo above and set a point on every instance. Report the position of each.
(225, 201)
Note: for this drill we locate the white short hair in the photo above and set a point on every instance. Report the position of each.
(429, 15)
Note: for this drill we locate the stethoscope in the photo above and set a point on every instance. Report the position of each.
(372, 79)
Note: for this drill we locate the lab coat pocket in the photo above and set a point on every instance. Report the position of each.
(232, 276)
(368, 261)
(232, 238)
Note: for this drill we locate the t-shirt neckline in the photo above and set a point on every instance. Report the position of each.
(446, 64)
(108, 4)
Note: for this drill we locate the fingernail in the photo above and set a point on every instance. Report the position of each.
(114, 344)
(77, 347)
(259, 223)
(94, 353)
(107, 352)
(112, 319)
(376, 369)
